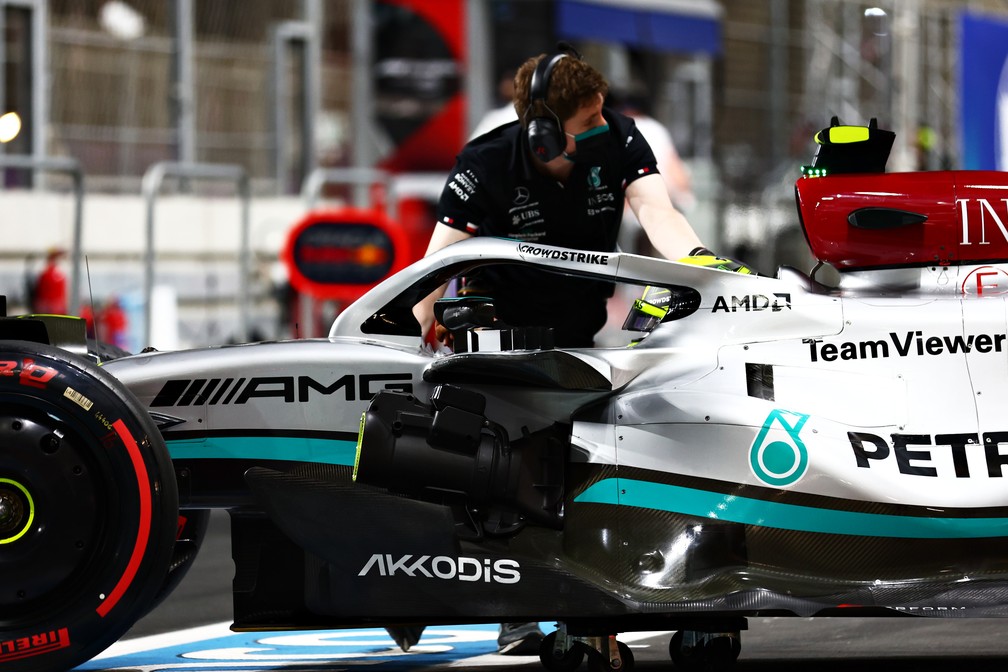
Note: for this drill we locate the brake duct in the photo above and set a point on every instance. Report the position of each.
(449, 452)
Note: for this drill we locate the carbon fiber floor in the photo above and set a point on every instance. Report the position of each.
(919, 644)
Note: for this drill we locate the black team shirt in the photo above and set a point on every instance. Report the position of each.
(494, 190)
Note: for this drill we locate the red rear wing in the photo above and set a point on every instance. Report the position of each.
(889, 220)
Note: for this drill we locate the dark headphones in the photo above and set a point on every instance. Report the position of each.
(546, 136)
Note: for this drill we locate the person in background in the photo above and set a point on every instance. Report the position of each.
(636, 105)
(505, 112)
(671, 167)
(114, 324)
(49, 292)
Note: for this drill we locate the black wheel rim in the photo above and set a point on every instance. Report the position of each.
(54, 499)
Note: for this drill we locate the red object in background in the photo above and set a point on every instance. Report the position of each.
(340, 254)
(113, 324)
(50, 295)
(891, 220)
(428, 35)
(434, 146)
(416, 217)
(87, 315)
(447, 17)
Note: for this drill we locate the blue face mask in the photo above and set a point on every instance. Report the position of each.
(590, 145)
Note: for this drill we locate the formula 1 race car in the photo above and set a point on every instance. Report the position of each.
(763, 446)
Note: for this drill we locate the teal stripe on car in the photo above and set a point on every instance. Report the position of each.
(296, 449)
(749, 511)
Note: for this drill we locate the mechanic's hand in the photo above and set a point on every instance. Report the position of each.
(442, 334)
(701, 256)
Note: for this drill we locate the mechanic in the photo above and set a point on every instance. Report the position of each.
(49, 294)
(559, 175)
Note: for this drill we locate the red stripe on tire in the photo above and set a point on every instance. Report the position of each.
(143, 532)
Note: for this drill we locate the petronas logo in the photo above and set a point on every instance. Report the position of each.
(595, 177)
(778, 455)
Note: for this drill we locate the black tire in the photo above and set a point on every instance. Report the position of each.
(568, 662)
(599, 663)
(104, 352)
(88, 509)
(721, 653)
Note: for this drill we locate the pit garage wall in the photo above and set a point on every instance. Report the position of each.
(196, 246)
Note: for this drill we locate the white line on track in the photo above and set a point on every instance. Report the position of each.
(125, 647)
(220, 630)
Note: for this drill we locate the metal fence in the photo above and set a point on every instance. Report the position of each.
(786, 66)
(114, 105)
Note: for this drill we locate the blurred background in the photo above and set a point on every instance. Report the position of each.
(184, 167)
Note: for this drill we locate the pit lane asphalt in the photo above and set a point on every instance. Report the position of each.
(779, 644)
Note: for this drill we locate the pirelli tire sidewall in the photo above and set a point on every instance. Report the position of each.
(92, 471)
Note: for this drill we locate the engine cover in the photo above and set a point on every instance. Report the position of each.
(892, 220)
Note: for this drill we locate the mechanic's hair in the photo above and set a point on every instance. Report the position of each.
(572, 84)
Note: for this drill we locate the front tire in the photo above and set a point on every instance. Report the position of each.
(88, 509)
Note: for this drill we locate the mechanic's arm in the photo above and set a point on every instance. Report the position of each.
(442, 237)
(666, 227)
